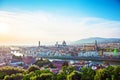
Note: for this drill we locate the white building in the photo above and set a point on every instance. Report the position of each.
(88, 54)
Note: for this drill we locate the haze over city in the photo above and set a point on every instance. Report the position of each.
(30, 21)
(59, 39)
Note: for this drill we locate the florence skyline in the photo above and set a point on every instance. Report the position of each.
(29, 21)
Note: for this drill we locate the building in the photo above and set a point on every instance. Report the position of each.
(88, 54)
(90, 47)
(61, 45)
(64, 43)
(39, 44)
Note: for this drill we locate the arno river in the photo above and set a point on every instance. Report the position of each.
(74, 60)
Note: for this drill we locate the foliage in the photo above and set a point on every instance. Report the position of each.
(71, 69)
(61, 77)
(28, 76)
(46, 76)
(2, 75)
(51, 65)
(42, 62)
(64, 70)
(88, 73)
(75, 75)
(36, 75)
(33, 68)
(11, 70)
(66, 73)
(43, 76)
(102, 74)
(14, 77)
(116, 72)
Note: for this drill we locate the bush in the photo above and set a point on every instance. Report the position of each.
(75, 75)
(2, 75)
(61, 77)
(28, 76)
(11, 70)
(87, 73)
(32, 68)
(14, 77)
(43, 76)
(46, 76)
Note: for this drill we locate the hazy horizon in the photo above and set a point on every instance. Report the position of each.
(30, 21)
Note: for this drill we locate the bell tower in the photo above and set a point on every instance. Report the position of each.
(38, 43)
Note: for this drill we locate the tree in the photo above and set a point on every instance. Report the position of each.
(2, 75)
(35, 75)
(87, 73)
(28, 76)
(108, 72)
(116, 72)
(43, 76)
(33, 68)
(35, 78)
(46, 76)
(100, 75)
(61, 77)
(75, 75)
(14, 77)
(42, 62)
(71, 69)
(7, 77)
(51, 65)
(11, 70)
(64, 70)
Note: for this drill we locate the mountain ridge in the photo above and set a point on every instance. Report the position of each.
(98, 39)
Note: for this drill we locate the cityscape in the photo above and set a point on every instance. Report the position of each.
(59, 40)
(92, 55)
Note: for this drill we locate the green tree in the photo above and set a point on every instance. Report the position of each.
(33, 68)
(2, 75)
(46, 76)
(28, 76)
(64, 70)
(61, 77)
(7, 77)
(14, 77)
(35, 78)
(11, 70)
(100, 75)
(42, 62)
(87, 73)
(43, 76)
(35, 75)
(70, 69)
(116, 72)
(75, 75)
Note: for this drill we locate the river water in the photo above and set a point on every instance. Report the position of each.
(73, 61)
(17, 53)
(94, 62)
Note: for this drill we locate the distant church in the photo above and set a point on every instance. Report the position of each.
(90, 47)
(61, 45)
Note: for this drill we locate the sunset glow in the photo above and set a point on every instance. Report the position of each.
(3, 28)
(24, 21)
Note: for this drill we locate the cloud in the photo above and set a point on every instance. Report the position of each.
(34, 26)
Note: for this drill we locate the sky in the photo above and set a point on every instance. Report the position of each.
(29, 21)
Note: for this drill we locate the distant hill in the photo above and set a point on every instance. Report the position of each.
(98, 39)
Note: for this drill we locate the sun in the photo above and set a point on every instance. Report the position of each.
(3, 28)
